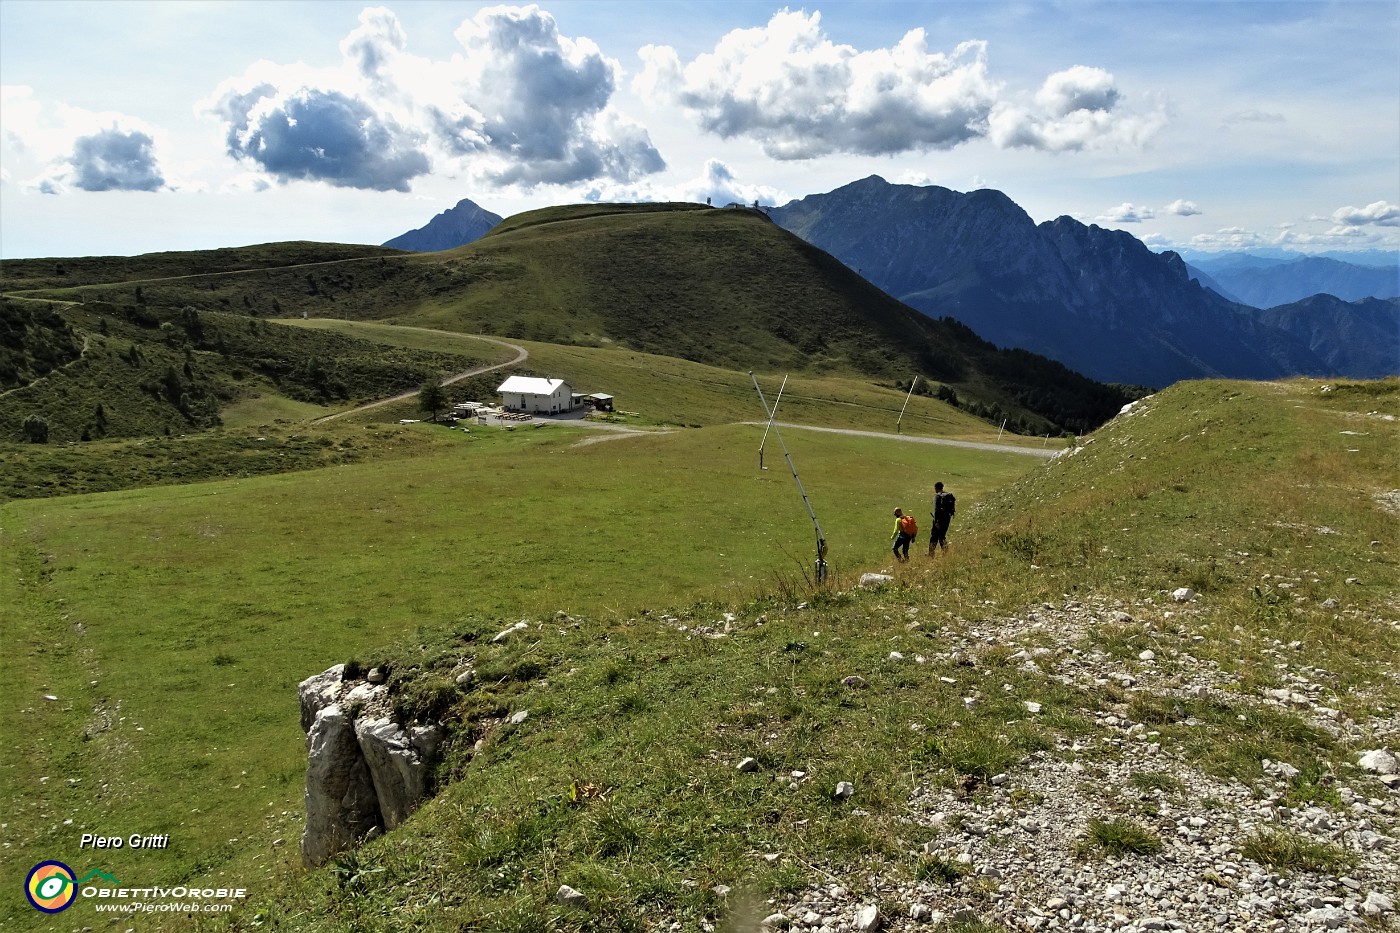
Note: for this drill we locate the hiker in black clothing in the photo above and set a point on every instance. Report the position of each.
(943, 507)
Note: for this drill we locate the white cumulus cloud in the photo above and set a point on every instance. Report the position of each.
(716, 184)
(1379, 213)
(521, 105)
(801, 96)
(74, 148)
(1126, 213)
(1075, 109)
(1182, 208)
(1231, 238)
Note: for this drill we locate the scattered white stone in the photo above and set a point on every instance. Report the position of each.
(466, 677)
(874, 579)
(362, 694)
(748, 765)
(1032, 706)
(518, 717)
(502, 636)
(1377, 904)
(1380, 760)
(1332, 918)
(1148, 655)
(896, 656)
(868, 919)
(569, 897)
(1183, 594)
(776, 921)
(844, 790)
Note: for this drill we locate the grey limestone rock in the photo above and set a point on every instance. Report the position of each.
(341, 805)
(397, 768)
(317, 692)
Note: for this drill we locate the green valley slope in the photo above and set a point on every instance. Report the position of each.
(726, 288)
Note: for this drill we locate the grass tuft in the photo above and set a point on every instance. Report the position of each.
(1289, 851)
(1117, 837)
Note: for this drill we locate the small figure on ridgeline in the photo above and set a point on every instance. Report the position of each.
(944, 504)
(906, 529)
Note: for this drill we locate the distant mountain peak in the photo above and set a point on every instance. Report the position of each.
(1097, 300)
(457, 226)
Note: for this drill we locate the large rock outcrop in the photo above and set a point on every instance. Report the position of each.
(398, 761)
(365, 773)
(341, 803)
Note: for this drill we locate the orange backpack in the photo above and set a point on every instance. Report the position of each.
(908, 525)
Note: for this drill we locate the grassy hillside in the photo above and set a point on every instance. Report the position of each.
(22, 274)
(622, 783)
(265, 431)
(666, 391)
(173, 623)
(688, 641)
(722, 287)
(134, 370)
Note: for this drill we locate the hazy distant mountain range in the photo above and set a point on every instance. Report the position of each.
(1096, 300)
(1265, 284)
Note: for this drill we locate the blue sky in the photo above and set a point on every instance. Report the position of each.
(131, 127)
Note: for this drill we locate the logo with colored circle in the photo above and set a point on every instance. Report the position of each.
(51, 887)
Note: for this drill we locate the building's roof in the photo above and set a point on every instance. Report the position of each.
(530, 385)
(599, 395)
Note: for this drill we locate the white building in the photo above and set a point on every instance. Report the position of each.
(533, 394)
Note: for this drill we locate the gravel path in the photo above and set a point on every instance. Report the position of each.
(1016, 855)
(974, 445)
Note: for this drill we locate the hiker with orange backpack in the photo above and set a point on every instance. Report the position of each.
(906, 529)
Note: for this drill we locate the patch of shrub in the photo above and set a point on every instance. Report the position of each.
(425, 699)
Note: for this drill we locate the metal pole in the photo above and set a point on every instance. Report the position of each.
(906, 405)
(776, 402)
(821, 538)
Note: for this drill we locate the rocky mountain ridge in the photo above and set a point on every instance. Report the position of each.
(454, 227)
(1097, 300)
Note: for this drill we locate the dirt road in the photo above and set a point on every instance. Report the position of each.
(974, 445)
(521, 355)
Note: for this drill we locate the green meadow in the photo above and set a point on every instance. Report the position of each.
(172, 624)
(196, 537)
(1269, 500)
(158, 629)
(665, 391)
